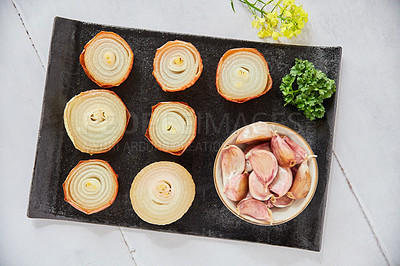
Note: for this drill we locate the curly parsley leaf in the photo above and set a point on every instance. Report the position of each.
(313, 86)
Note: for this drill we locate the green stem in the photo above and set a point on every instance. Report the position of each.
(277, 4)
(250, 5)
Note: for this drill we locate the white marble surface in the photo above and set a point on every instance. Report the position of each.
(362, 219)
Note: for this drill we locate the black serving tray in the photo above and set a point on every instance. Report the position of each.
(217, 118)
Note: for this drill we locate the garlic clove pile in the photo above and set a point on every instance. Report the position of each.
(282, 182)
(252, 148)
(256, 132)
(232, 162)
(257, 189)
(282, 151)
(264, 165)
(256, 209)
(237, 187)
(281, 202)
(299, 152)
(302, 181)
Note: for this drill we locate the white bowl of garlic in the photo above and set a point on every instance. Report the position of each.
(265, 173)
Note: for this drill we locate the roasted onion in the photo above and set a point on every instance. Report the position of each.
(162, 192)
(177, 65)
(242, 75)
(172, 127)
(95, 120)
(107, 59)
(91, 186)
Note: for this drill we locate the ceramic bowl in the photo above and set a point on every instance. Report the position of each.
(279, 215)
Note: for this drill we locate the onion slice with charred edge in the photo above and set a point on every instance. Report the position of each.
(162, 192)
(172, 127)
(107, 59)
(177, 65)
(242, 75)
(91, 186)
(95, 120)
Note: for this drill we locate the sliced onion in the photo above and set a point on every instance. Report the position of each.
(107, 59)
(162, 192)
(242, 75)
(95, 120)
(172, 127)
(91, 186)
(177, 65)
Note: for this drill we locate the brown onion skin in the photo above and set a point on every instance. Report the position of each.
(128, 117)
(180, 152)
(196, 77)
(68, 199)
(221, 61)
(123, 42)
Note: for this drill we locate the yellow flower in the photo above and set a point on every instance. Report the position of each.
(288, 2)
(255, 24)
(264, 33)
(276, 35)
(288, 34)
(274, 22)
(300, 24)
(272, 15)
(287, 14)
(296, 32)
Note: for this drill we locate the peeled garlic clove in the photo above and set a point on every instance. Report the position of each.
(282, 182)
(281, 202)
(282, 151)
(248, 167)
(264, 165)
(232, 162)
(257, 189)
(302, 181)
(256, 209)
(299, 152)
(265, 146)
(237, 187)
(256, 132)
(269, 204)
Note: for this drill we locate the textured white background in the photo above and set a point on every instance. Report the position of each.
(362, 218)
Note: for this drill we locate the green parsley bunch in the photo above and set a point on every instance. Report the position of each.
(313, 86)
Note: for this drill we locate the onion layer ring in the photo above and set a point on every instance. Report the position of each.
(172, 127)
(242, 75)
(177, 65)
(162, 192)
(107, 59)
(95, 120)
(91, 186)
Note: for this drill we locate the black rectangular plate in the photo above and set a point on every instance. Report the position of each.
(217, 118)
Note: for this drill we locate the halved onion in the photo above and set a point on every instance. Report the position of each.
(91, 186)
(177, 65)
(107, 59)
(172, 127)
(242, 75)
(95, 120)
(162, 192)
